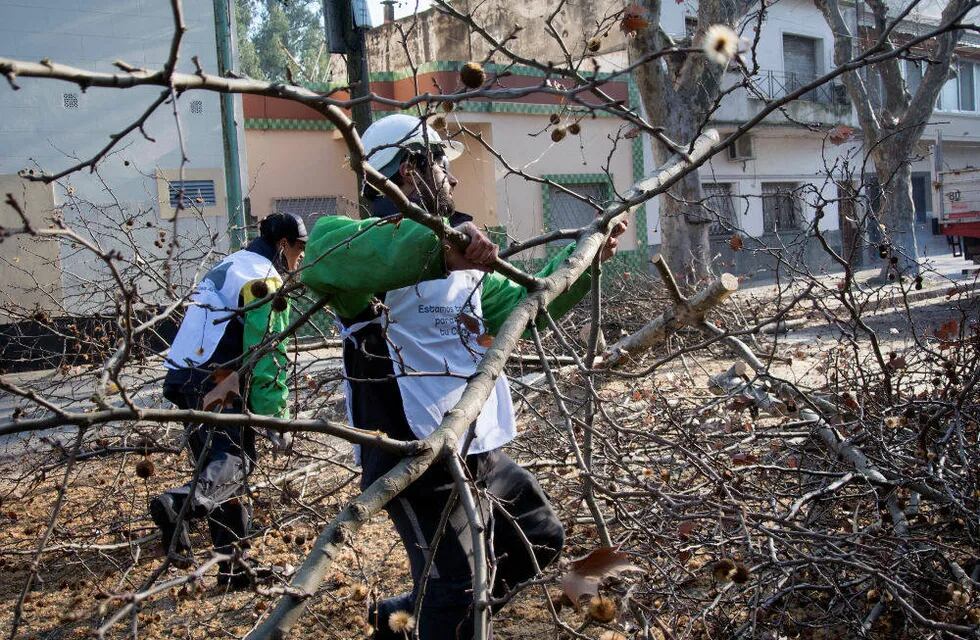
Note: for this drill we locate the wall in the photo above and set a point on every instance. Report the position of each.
(476, 193)
(526, 145)
(435, 36)
(30, 264)
(296, 164)
(38, 130)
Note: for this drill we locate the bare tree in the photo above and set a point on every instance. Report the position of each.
(821, 485)
(892, 117)
(679, 94)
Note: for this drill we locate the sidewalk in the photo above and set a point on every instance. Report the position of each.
(941, 271)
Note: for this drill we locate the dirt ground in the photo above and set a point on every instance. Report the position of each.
(101, 546)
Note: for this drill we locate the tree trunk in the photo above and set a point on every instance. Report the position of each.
(678, 95)
(897, 213)
(683, 220)
(684, 239)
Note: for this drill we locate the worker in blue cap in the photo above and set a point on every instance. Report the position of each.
(232, 312)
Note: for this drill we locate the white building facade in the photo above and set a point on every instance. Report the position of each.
(47, 126)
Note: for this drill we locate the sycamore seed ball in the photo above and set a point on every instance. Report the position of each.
(144, 468)
(472, 75)
(574, 128)
(723, 570)
(602, 609)
(401, 622)
(558, 134)
(593, 44)
(741, 574)
(554, 118)
(259, 289)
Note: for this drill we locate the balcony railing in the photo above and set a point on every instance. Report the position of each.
(772, 85)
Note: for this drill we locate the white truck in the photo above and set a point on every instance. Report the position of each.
(958, 195)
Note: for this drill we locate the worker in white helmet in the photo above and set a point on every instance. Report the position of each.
(409, 306)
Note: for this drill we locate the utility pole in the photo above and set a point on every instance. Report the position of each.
(346, 22)
(224, 26)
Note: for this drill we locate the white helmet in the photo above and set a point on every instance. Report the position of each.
(386, 137)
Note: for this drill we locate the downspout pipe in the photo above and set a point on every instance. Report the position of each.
(223, 36)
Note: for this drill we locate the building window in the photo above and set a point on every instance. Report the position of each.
(801, 62)
(310, 209)
(690, 27)
(913, 76)
(781, 210)
(70, 100)
(720, 208)
(967, 81)
(196, 193)
(197, 107)
(563, 211)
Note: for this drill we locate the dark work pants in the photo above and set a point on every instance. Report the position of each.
(447, 601)
(227, 463)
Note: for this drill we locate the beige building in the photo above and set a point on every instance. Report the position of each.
(298, 163)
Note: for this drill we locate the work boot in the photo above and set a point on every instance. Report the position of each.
(242, 573)
(164, 516)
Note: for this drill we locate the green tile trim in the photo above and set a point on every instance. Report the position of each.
(295, 124)
(524, 108)
(498, 233)
(568, 179)
(639, 171)
(624, 262)
(434, 66)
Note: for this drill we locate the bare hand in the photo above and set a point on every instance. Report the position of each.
(612, 244)
(480, 253)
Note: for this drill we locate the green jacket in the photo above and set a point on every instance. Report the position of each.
(352, 260)
(268, 393)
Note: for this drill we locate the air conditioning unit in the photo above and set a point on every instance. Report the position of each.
(742, 149)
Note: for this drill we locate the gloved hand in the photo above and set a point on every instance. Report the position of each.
(281, 440)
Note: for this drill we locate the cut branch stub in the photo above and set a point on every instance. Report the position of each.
(685, 312)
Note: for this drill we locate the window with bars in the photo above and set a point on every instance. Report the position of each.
(720, 208)
(566, 212)
(781, 207)
(311, 208)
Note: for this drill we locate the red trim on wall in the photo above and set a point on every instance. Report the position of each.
(966, 229)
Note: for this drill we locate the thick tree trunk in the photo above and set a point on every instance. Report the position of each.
(683, 219)
(678, 96)
(684, 230)
(897, 213)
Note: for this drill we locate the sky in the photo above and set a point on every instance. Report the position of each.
(402, 8)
